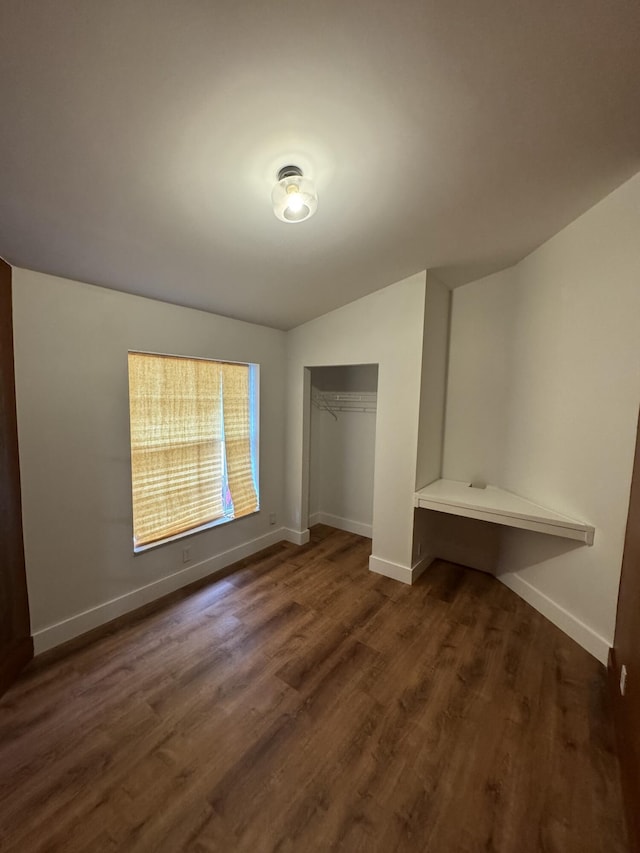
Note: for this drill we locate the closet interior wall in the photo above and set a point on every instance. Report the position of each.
(342, 446)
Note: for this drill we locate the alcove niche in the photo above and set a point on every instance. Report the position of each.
(342, 446)
(466, 508)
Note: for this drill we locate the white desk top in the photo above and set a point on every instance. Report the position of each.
(501, 507)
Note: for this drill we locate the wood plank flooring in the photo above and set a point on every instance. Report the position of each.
(305, 704)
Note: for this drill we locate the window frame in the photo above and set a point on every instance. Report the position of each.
(254, 420)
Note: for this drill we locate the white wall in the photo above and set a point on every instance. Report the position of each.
(558, 427)
(433, 384)
(480, 384)
(71, 343)
(384, 328)
(342, 451)
(349, 377)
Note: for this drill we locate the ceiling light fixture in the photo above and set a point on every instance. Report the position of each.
(294, 196)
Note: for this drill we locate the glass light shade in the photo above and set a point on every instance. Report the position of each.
(294, 198)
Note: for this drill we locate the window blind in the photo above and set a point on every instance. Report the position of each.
(190, 446)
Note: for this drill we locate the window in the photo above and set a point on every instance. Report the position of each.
(194, 444)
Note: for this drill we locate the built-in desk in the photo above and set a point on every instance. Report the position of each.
(501, 507)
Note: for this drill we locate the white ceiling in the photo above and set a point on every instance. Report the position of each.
(139, 140)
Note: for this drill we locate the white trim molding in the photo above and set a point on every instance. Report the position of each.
(420, 566)
(585, 636)
(74, 626)
(347, 524)
(404, 574)
(296, 537)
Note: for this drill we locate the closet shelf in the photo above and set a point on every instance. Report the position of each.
(345, 401)
(501, 507)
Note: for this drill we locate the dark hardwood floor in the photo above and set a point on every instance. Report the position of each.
(305, 704)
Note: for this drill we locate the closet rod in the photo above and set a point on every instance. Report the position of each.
(338, 401)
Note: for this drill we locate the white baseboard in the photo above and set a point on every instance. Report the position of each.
(54, 635)
(420, 566)
(346, 524)
(397, 572)
(586, 637)
(296, 537)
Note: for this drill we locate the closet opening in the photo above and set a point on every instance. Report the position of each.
(342, 435)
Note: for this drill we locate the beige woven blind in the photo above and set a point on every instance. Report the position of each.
(178, 425)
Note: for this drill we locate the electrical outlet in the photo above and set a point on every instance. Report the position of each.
(272, 518)
(623, 679)
(186, 555)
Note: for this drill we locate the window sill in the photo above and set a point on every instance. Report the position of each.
(141, 549)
